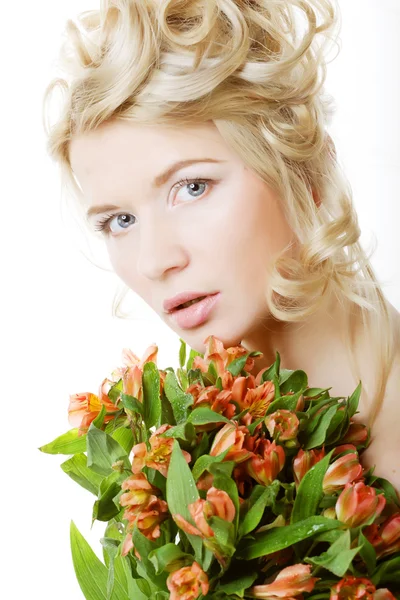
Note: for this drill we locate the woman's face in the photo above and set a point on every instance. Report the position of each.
(217, 235)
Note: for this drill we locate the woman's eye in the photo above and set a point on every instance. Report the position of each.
(195, 188)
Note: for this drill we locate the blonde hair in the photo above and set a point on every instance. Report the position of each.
(249, 67)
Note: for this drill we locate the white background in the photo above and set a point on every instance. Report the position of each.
(60, 337)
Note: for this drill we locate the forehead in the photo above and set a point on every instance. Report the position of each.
(146, 149)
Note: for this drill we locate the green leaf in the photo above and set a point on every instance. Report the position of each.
(273, 370)
(145, 547)
(234, 584)
(204, 415)
(296, 382)
(90, 572)
(260, 498)
(138, 589)
(281, 537)
(169, 558)
(124, 437)
(132, 403)
(76, 468)
(392, 497)
(317, 437)
(367, 553)
(338, 558)
(224, 535)
(284, 403)
(184, 431)
(167, 414)
(204, 462)
(67, 443)
(151, 394)
(182, 491)
(103, 451)
(387, 572)
(104, 508)
(182, 353)
(180, 401)
(310, 491)
(237, 365)
(353, 400)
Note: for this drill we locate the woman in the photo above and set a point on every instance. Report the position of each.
(202, 126)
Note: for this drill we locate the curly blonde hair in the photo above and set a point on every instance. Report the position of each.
(256, 69)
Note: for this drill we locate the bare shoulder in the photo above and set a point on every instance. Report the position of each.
(384, 450)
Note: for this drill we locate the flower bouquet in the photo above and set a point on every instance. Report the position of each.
(220, 484)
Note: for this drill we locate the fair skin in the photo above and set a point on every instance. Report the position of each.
(219, 236)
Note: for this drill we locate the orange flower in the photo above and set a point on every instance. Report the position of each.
(221, 357)
(383, 594)
(85, 407)
(255, 399)
(188, 583)
(132, 373)
(217, 503)
(358, 503)
(159, 456)
(304, 461)
(140, 493)
(214, 398)
(282, 425)
(353, 587)
(345, 469)
(231, 436)
(386, 537)
(290, 582)
(356, 434)
(149, 519)
(267, 462)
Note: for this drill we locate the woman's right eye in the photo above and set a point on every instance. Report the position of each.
(104, 224)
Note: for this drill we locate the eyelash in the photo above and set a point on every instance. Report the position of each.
(103, 225)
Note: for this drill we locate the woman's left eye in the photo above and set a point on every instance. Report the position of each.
(192, 184)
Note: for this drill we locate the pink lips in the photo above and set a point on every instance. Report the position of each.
(197, 313)
(181, 298)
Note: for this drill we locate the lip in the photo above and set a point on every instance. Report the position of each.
(183, 297)
(197, 314)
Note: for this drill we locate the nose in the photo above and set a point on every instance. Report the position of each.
(160, 248)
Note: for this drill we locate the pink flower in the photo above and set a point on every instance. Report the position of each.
(351, 587)
(386, 537)
(358, 503)
(282, 425)
(345, 469)
(304, 461)
(188, 583)
(140, 492)
(290, 582)
(267, 462)
(159, 455)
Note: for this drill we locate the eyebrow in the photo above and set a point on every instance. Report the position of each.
(158, 182)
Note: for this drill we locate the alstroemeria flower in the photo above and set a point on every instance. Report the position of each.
(85, 407)
(282, 425)
(231, 436)
(356, 434)
(217, 503)
(350, 587)
(383, 594)
(140, 493)
(148, 520)
(214, 398)
(254, 398)
(221, 357)
(159, 455)
(267, 462)
(345, 469)
(290, 582)
(358, 503)
(304, 461)
(188, 583)
(385, 538)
